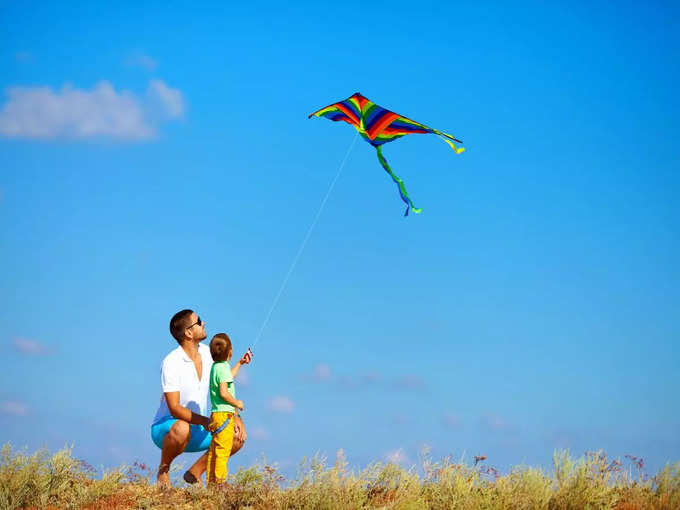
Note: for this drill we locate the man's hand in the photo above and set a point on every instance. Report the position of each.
(239, 404)
(182, 413)
(205, 423)
(240, 430)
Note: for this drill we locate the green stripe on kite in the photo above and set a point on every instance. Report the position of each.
(368, 125)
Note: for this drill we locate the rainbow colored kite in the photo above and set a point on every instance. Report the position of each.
(378, 126)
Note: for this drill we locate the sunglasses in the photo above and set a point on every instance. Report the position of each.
(198, 322)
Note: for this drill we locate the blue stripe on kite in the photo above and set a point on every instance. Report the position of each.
(379, 118)
(350, 106)
(373, 117)
(397, 124)
(379, 141)
(336, 116)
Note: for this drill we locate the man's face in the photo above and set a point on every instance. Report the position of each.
(197, 329)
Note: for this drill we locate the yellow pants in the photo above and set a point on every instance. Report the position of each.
(220, 447)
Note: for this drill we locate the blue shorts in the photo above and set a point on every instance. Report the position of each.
(199, 439)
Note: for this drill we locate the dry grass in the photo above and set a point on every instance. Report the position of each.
(41, 481)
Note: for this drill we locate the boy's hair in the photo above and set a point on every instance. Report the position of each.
(220, 347)
(179, 323)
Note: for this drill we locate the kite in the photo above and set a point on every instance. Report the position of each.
(378, 126)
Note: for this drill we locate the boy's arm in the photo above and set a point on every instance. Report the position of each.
(245, 359)
(235, 368)
(228, 398)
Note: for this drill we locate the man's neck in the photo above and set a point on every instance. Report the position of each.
(190, 347)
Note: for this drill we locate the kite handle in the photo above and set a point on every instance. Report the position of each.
(249, 355)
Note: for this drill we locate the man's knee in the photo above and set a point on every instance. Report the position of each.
(179, 433)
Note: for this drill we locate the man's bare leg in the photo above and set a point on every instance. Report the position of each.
(174, 443)
(194, 473)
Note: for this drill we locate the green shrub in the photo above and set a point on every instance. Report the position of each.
(41, 481)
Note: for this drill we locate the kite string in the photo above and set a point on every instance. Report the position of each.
(304, 242)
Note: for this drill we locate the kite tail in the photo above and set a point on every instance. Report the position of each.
(448, 139)
(458, 150)
(398, 182)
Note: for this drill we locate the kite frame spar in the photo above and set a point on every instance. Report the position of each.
(378, 126)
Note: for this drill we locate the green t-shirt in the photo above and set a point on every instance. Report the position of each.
(219, 373)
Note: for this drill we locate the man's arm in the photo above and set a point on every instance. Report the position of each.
(182, 413)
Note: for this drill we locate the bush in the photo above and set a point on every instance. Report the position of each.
(41, 481)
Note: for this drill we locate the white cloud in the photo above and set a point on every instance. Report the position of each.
(243, 377)
(170, 100)
(322, 372)
(562, 438)
(259, 432)
(102, 112)
(371, 378)
(13, 408)
(119, 453)
(30, 347)
(451, 420)
(412, 382)
(494, 422)
(360, 381)
(143, 61)
(396, 456)
(281, 404)
(400, 419)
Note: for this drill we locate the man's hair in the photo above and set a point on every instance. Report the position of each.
(179, 323)
(220, 347)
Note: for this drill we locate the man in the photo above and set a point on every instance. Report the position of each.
(181, 422)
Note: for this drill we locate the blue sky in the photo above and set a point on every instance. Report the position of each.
(156, 157)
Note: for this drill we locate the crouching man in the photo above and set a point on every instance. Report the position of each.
(181, 422)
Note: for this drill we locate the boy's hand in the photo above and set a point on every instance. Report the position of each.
(247, 357)
(239, 404)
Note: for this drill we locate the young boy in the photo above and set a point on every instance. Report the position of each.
(224, 404)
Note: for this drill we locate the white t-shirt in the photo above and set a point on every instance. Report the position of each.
(178, 373)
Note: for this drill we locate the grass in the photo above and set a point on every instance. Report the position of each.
(41, 481)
